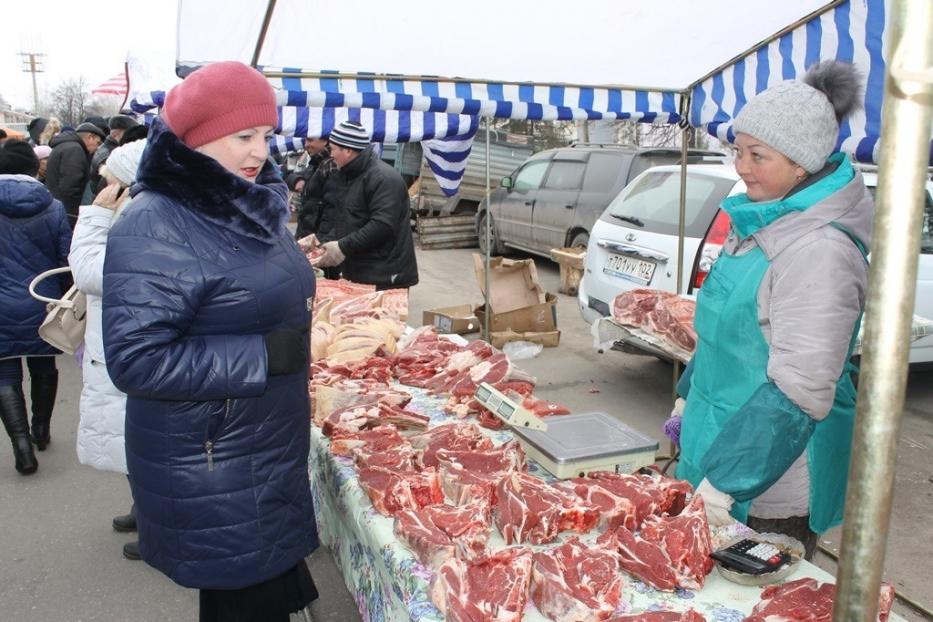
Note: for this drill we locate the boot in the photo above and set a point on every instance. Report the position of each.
(43, 391)
(13, 413)
(126, 522)
(131, 550)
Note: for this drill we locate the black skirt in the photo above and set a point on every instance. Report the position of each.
(269, 601)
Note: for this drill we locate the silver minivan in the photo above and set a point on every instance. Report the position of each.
(555, 196)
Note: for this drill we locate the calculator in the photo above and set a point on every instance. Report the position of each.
(752, 557)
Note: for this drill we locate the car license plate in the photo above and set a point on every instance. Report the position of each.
(630, 268)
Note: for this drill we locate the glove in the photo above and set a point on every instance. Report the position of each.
(332, 256)
(717, 504)
(286, 351)
(672, 425)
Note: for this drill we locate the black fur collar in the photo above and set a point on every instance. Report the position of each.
(199, 183)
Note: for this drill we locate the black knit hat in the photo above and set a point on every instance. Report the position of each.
(350, 135)
(121, 122)
(18, 158)
(35, 128)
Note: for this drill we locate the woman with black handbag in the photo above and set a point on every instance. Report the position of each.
(34, 237)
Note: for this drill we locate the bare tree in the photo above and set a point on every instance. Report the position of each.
(69, 100)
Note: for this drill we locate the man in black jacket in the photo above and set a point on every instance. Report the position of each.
(373, 231)
(69, 168)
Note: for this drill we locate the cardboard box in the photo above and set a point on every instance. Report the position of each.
(459, 319)
(521, 309)
(548, 340)
(538, 318)
(513, 283)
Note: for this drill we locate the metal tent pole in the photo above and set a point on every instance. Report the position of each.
(681, 232)
(488, 234)
(905, 151)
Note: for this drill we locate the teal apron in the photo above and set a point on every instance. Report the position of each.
(730, 364)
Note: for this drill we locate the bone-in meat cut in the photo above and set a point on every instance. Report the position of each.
(528, 509)
(438, 532)
(576, 583)
(808, 600)
(669, 551)
(492, 589)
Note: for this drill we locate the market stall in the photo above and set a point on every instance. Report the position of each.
(763, 51)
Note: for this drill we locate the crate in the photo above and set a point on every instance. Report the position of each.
(570, 261)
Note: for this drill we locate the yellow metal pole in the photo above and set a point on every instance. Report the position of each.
(902, 180)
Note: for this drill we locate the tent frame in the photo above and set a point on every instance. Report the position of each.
(907, 123)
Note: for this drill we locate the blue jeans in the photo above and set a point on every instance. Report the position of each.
(11, 370)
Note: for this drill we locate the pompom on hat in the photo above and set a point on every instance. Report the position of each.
(217, 100)
(800, 118)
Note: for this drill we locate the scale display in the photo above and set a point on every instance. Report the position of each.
(506, 409)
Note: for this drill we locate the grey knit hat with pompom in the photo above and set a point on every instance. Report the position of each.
(800, 118)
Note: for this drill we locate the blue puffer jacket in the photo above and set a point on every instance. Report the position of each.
(198, 268)
(34, 237)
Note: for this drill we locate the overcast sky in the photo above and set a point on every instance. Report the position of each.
(81, 38)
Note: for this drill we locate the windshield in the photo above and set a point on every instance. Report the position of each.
(654, 200)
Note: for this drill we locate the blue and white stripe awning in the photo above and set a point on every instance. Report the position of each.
(491, 99)
(446, 138)
(852, 31)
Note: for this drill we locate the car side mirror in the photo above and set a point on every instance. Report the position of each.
(506, 182)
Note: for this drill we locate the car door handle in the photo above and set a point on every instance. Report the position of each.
(570, 206)
(529, 203)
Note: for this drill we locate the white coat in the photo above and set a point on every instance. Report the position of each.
(103, 406)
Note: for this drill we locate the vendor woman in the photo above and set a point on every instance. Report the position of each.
(770, 401)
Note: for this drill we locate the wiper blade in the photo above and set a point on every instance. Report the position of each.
(630, 219)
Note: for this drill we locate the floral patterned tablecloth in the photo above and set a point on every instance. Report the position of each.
(389, 585)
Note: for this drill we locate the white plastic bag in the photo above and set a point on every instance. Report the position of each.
(519, 350)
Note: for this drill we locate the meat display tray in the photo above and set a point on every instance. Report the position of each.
(574, 445)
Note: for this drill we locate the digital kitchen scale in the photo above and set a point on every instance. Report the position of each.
(572, 445)
(507, 409)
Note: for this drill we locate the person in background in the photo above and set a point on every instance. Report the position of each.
(373, 232)
(102, 406)
(206, 302)
(34, 237)
(34, 128)
(68, 169)
(317, 187)
(42, 153)
(117, 125)
(53, 127)
(770, 402)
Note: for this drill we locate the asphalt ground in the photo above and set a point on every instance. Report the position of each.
(60, 560)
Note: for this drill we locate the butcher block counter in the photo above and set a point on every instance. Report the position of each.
(390, 585)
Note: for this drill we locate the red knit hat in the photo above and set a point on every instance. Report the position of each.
(217, 100)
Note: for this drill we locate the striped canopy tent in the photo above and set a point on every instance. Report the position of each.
(518, 61)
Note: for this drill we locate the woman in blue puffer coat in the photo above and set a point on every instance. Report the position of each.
(206, 301)
(34, 237)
